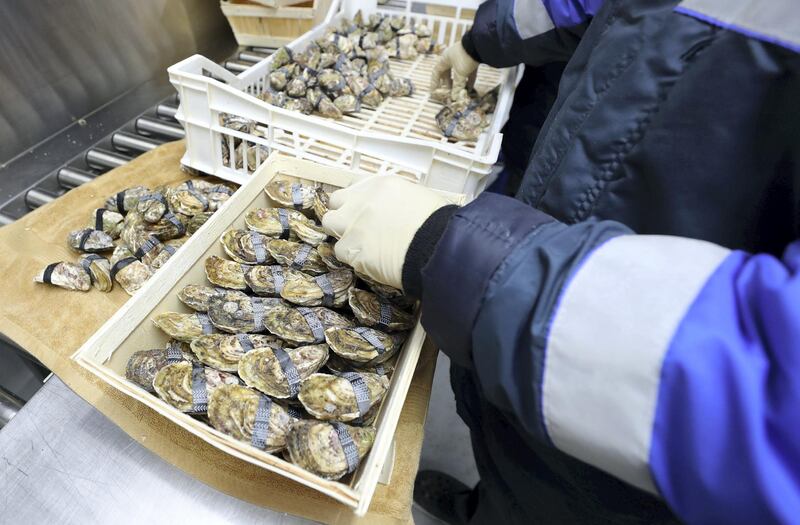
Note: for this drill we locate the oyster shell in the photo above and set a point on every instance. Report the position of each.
(128, 271)
(297, 256)
(338, 365)
(279, 372)
(296, 87)
(373, 311)
(218, 194)
(249, 416)
(223, 352)
(197, 296)
(347, 103)
(227, 274)
(99, 270)
(328, 450)
(291, 194)
(245, 246)
(303, 325)
(331, 80)
(236, 312)
(126, 200)
(188, 198)
(381, 289)
(196, 221)
(327, 108)
(407, 47)
(143, 365)
(67, 275)
(363, 346)
(462, 121)
(268, 281)
(272, 222)
(307, 230)
(107, 221)
(401, 87)
(299, 104)
(348, 397)
(279, 78)
(281, 57)
(364, 91)
(187, 386)
(321, 199)
(152, 206)
(156, 258)
(328, 256)
(329, 289)
(88, 240)
(184, 327)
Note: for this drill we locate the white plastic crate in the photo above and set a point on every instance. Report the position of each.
(399, 137)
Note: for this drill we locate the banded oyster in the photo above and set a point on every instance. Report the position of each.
(376, 312)
(197, 296)
(246, 246)
(362, 345)
(291, 194)
(250, 417)
(227, 274)
(269, 280)
(196, 221)
(67, 275)
(107, 221)
(187, 198)
(152, 206)
(88, 240)
(347, 397)
(128, 271)
(329, 450)
(303, 325)
(143, 365)
(236, 312)
(99, 270)
(307, 230)
(187, 386)
(337, 365)
(223, 352)
(297, 256)
(126, 200)
(329, 289)
(272, 222)
(184, 327)
(279, 372)
(328, 256)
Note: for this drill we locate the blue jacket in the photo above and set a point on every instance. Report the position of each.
(670, 362)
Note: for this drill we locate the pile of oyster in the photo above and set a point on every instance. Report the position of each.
(284, 348)
(140, 228)
(348, 67)
(466, 114)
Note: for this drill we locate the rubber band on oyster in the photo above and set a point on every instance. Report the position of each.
(339, 397)
(237, 312)
(67, 275)
(362, 345)
(373, 311)
(175, 384)
(330, 289)
(184, 327)
(338, 365)
(291, 194)
(307, 230)
(128, 271)
(295, 324)
(197, 296)
(223, 351)
(88, 240)
(143, 365)
(99, 270)
(246, 246)
(272, 222)
(268, 281)
(317, 447)
(267, 369)
(297, 256)
(224, 273)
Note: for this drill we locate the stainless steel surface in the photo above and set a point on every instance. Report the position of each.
(237, 66)
(36, 197)
(102, 159)
(166, 111)
(147, 125)
(64, 462)
(73, 177)
(60, 61)
(252, 56)
(125, 141)
(6, 219)
(10, 405)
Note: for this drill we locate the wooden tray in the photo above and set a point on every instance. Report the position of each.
(259, 25)
(106, 353)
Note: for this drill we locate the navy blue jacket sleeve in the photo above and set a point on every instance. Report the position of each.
(534, 32)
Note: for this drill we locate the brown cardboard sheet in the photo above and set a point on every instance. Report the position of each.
(52, 324)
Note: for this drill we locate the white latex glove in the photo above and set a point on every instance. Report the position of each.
(375, 221)
(455, 70)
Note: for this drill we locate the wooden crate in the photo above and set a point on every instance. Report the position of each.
(106, 353)
(258, 25)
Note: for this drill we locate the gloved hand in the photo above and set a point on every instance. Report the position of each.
(455, 69)
(375, 221)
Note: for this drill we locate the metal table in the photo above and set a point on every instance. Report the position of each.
(62, 461)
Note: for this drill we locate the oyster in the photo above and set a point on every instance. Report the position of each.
(310, 57)
(268, 281)
(279, 78)
(281, 57)
(329, 450)
(296, 87)
(184, 327)
(327, 108)
(197, 296)
(362, 345)
(143, 365)
(291, 194)
(107, 221)
(99, 270)
(347, 104)
(338, 365)
(126, 200)
(152, 206)
(187, 198)
(128, 271)
(250, 417)
(236, 312)
(245, 246)
(279, 372)
(331, 80)
(155, 259)
(223, 352)
(407, 47)
(298, 256)
(401, 87)
(321, 200)
(227, 274)
(462, 121)
(328, 256)
(272, 222)
(374, 311)
(307, 230)
(394, 295)
(90, 241)
(197, 220)
(329, 289)
(347, 397)
(187, 386)
(67, 275)
(303, 325)
(299, 104)
(218, 194)
(364, 91)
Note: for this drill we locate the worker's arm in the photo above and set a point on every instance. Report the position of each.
(671, 363)
(508, 32)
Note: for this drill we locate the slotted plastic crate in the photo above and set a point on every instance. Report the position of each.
(399, 137)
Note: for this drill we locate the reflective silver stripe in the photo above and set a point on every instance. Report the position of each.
(205, 323)
(258, 247)
(199, 391)
(300, 258)
(174, 353)
(261, 424)
(288, 369)
(277, 278)
(531, 18)
(317, 330)
(258, 313)
(245, 342)
(327, 289)
(348, 446)
(385, 315)
(297, 195)
(369, 335)
(283, 217)
(361, 391)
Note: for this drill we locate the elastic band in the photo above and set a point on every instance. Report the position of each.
(317, 330)
(297, 196)
(98, 218)
(301, 257)
(361, 392)
(84, 237)
(121, 202)
(293, 412)
(288, 369)
(283, 217)
(327, 289)
(47, 275)
(258, 247)
(245, 342)
(261, 424)
(122, 263)
(174, 220)
(385, 315)
(258, 313)
(174, 353)
(348, 446)
(368, 335)
(147, 246)
(199, 390)
(277, 278)
(205, 323)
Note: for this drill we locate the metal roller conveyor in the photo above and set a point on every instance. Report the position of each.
(9, 406)
(166, 111)
(236, 66)
(130, 142)
(36, 197)
(103, 159)
(251, 56)
(264, 50)
(69, 177)
(6, 219)
(152, 126)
